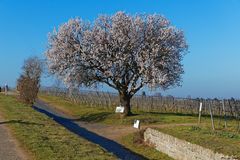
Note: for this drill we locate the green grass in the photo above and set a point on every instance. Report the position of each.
(107, 116)
(221, 141)
(146, 151)
(43, 138)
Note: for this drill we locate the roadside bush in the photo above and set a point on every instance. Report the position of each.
(28, 89)
(28, 83)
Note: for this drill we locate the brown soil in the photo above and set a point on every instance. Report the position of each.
(117, 132)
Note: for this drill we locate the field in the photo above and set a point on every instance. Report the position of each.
(43, 138)
(152, 103)
(108, 117)
(223, 140)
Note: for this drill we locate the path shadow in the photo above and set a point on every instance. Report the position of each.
(109, 145)
(21, 122)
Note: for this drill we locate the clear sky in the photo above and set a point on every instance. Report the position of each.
(212, 29)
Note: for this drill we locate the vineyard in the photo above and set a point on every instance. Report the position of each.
(225, 108)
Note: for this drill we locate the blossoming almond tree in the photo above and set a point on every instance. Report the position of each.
(123, 51)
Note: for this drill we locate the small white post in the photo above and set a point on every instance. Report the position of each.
(136, 124)
(200, 113)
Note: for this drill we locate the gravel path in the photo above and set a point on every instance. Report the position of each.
(9, 148)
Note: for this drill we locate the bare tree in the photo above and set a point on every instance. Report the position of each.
(123, 51)
(33, 68)
(28, 83)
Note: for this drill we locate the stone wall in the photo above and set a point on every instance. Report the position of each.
(180, 149)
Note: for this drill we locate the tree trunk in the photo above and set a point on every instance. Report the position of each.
(125, 102)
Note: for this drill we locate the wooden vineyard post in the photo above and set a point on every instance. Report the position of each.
(238, 127)
(109, 100)
(220, 113)
(137, 99)
(212, 121)
(224, 112)
(200, 113)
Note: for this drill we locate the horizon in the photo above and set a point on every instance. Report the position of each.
(211, 66)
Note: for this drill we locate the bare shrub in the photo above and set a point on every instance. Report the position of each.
(28, 83)
(138, 137)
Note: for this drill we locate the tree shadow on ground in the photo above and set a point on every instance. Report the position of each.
(111, 146)
(95, 117)
(20, 122)
(99, 117)
(134, 114)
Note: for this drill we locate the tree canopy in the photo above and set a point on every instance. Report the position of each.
(123, 51)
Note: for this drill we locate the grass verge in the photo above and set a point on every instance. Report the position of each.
(44, 138)
(221, 141)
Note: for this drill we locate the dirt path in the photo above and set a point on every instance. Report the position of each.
(109, 131)
(9, 147)
(117, 132)
(85, 131)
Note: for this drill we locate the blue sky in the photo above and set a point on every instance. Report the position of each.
(212, 29)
